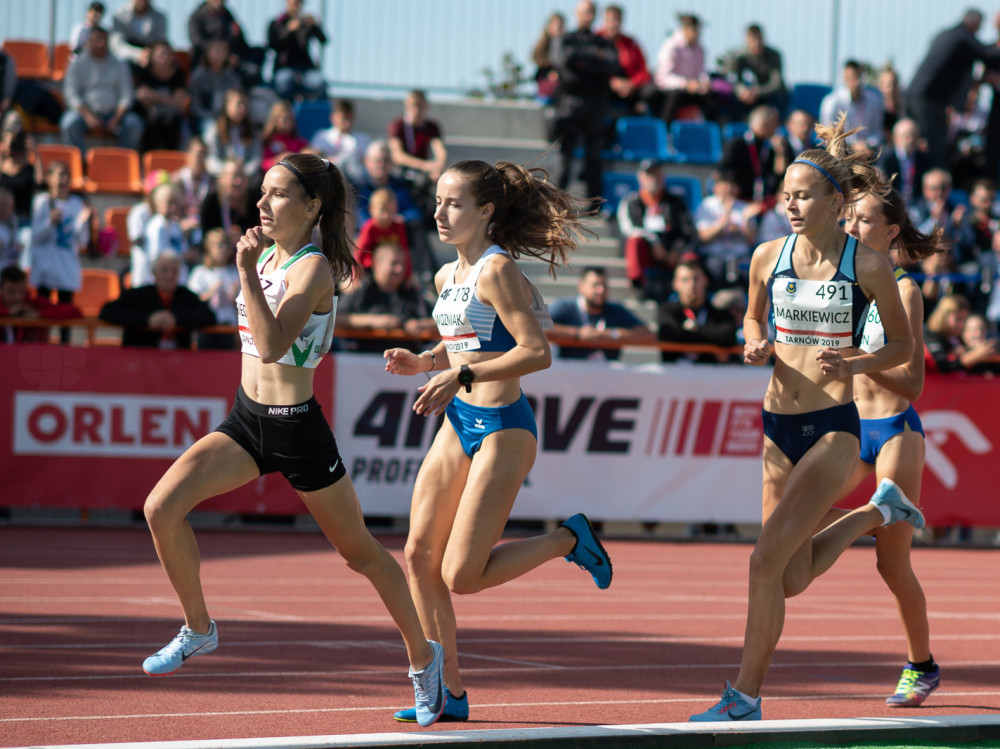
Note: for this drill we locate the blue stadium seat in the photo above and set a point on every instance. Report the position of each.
(809, 96)
(642, 138)
(734, 130)
(696, 142)
(614, 187)
(687, 187)
(312, 116)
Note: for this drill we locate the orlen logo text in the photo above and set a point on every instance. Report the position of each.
(103, 425)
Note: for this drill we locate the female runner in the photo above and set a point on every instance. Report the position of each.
(286, 313)
(818, 282)
(490, 318)
(892, 438)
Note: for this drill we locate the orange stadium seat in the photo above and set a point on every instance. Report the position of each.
(171, 161)
(116, 217)
(50, 152)
(31, 57)
(100, 285)
(111, 169)
(60, 61)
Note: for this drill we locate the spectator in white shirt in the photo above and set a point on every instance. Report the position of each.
(340, 143)
(727, 227)
(862, 105)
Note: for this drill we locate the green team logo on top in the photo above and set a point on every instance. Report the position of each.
(301, 356)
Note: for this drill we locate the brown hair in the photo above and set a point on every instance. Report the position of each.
(911, 244)
(271, 126)
(540, 52)
(336, 197)
(847, 168)
(531, 216)
(223, 123)
(937, 322)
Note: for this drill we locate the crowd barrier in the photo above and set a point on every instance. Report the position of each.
(95, 428)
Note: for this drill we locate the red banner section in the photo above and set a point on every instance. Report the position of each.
(97, 427)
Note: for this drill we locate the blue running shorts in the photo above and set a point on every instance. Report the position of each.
(794, 434)
(876, 432)
(472, 423)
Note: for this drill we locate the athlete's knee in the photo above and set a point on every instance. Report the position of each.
(159, 511)
(421, 559)
(461, 579)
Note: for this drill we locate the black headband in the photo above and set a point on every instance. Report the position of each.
(300, 178)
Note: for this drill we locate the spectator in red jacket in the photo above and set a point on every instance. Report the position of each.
(17, 301)
(635, 86)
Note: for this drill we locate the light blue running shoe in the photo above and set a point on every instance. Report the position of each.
(428, 688)
(455, 710)
(890, 496)
(730, 707)
(186, 644)
(588, 552)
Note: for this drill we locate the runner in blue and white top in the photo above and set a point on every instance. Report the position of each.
(892, 437)
(286, 313)
(820, 283)
(491, 319)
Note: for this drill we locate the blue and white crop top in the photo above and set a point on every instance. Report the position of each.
(316, 337)
(873, 337)
(466, 323)
(817, 313)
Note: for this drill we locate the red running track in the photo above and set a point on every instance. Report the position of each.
(307, 649)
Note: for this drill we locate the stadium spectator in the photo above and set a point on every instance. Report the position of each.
(99, 96)
(60, 233)
(774, 223)
(162, 233)
(418, 151)
(967, 140)
(936, 207)
(217, 283)
(546, 75)
(861, 105)
(982, 218)
(991, 165)
(681, 74)
(656, 227)
(10, 242)
(384, 225)
(585, 64)
(280, 135)
(757, 158)
(800, 132)
(904, 162)
(690, 318)
(161, 93)
(162, 314)
(726, 228)
(211, 79)
(386, 300)
(755, 73)
(195, 183)
(341, 143)
(892, 99)
(989, 264)
(79, 33)
(17, 301)
(233, 136)
(980, 344)
(135, 28)
(213, 20)
(943, 79)
(591, 317)
(945, 346)
(231, 204)
(295, 74)
(634, 87)
(20, 171)
(8, 83)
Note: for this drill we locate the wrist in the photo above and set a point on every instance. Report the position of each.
(433, 360)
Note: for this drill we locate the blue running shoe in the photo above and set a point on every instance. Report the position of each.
(428, 688)
(730, 707)
(914, 687)
(455, 710)
(186, 644)
(588, 552)
(890, 496)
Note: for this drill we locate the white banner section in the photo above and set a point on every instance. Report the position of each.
(677, 443)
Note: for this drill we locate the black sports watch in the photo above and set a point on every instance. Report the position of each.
(466, 377)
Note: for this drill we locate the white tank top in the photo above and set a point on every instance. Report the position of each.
(873, 336)
(317, 335)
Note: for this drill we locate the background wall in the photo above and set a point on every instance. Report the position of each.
(443, 45)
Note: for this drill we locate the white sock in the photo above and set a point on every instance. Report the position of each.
(747, 698)
(886, 513)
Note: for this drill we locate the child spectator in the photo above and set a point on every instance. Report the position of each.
(60, 231)
(340, 143)
(385, 224)
(233, 136)
(210, 81)
(16, 301)
(281, 135)
(78, 36)
(217, 283)
(162, 232)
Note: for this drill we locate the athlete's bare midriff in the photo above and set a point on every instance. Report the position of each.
(798, 384)
(276, 384)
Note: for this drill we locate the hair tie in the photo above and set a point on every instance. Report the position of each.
(327, 165)
(299, 177)
(821, 170)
